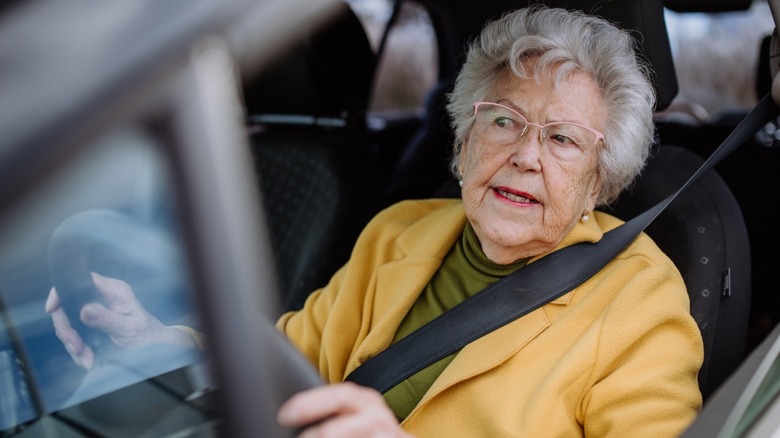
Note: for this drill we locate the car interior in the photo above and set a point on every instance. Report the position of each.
(304, 163)
(705, 232)
(710, 231)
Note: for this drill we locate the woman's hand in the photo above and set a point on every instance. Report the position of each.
(341, 410)
(123, 319)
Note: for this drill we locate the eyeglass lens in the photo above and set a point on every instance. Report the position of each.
(504, 126)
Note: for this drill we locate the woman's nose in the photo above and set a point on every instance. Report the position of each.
(527, 150)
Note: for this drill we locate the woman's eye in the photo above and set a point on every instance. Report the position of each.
(504, 122)
(562, 139)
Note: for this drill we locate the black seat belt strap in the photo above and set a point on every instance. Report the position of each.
(530, 287)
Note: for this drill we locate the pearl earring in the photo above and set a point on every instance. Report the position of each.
(585, 217)
(460, 180)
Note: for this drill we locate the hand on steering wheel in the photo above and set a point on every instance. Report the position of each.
(342, 410)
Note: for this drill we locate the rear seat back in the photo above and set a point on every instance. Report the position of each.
(318, 171)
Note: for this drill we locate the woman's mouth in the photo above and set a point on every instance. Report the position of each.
(516, 197)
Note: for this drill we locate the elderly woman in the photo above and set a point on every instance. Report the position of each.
(553, 118)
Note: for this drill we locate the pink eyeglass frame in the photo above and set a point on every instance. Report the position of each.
(599, 135)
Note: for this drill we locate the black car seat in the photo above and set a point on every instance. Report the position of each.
(317, 168)
(704, 232)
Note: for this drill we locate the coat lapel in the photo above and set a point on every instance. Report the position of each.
(422, 247)
(398, 285)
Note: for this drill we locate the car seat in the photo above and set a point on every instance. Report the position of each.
(317, 168)
(703, 232)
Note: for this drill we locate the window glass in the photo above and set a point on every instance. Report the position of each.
(111, 211)
(716, 58)
(407, 68)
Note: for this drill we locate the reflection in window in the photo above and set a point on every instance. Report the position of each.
(115, 211)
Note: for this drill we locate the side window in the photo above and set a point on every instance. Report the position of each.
(407, 68)
(716, 58)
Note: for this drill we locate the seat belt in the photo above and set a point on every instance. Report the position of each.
(534, 285)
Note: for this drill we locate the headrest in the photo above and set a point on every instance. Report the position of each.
(644, 18)
(328, 73)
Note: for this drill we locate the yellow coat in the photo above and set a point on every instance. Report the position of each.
(616, 357)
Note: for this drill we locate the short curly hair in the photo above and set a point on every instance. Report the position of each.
(565, 41)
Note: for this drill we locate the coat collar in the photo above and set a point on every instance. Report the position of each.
(440, 229)
(434, 234)
(399, 282)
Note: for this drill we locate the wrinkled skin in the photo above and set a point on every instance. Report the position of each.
(548, 197)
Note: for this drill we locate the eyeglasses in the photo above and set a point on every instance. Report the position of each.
(501, 125)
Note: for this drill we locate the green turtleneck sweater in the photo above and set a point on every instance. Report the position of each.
(465, 271)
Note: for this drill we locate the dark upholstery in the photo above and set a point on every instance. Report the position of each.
(318, 172)
(704, 233)
(425, 163)
(318, 193)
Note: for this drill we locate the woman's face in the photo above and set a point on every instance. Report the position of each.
(522, 198)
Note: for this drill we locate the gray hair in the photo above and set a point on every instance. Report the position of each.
(567, 41)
